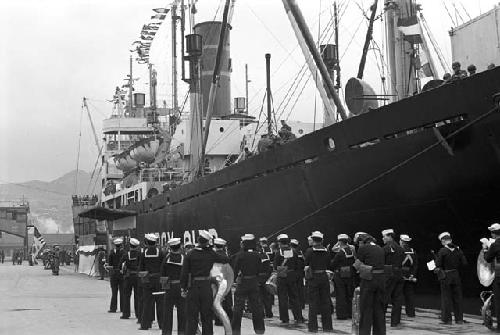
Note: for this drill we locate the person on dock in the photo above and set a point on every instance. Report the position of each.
(130, 269)
(247, 265)
(409, 269)
(171, 269)
(343, 277)
(196, 284)
(448, 262)
(101, 261)
(370, 264)
(220, 247)
(115, 277)
(492, 255)
(394, 256)
(317, 262)
(265, 272)
(300, 273)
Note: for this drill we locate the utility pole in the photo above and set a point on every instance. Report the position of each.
(246, 87)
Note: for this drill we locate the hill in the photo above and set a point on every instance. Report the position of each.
(50, 202)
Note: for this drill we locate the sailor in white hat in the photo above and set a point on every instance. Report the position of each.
(196, 275)
(188, 246)
(358, 236)
(152, 258)
(294, 244)
(171, 268)
(394, 256)
(115, 277)
(264, 244)
(409, 269)
(130, 268)
(343, 276)
(286, 263)
(448, 262)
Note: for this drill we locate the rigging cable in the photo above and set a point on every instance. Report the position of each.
(386, 172)
(78, 154)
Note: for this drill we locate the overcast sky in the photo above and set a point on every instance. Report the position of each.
(57, 51)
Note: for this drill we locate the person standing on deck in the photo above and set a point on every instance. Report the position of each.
(130, 269)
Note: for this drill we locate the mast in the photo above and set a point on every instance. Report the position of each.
(130, 87)
(246, 87)
(306, 42)
(336, 22)
(368, 39)
(268, 95)
(183, 27)
(174, 58)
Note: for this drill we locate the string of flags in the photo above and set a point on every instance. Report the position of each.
(148, 32)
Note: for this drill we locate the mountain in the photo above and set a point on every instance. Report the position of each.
(50, 202)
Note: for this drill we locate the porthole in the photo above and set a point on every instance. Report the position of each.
(221, 129)
(301, 131)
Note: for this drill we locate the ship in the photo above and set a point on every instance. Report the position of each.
(427, 162)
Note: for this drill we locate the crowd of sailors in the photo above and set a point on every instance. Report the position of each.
(179, 276)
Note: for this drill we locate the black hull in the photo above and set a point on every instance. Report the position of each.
(402, 181)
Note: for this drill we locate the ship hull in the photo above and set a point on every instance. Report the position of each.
(426, 164)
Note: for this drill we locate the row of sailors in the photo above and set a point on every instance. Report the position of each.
(385, 274)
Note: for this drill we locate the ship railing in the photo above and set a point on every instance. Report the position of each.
(160, 174)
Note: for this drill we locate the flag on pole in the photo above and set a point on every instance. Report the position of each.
(411, 29)
(159, 17)
(161, 10)
(38, 241)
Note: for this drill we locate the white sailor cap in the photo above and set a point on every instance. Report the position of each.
(342, 237)
(174, 241)
(358, 235)
(282, 237)
(405, 237)
(150, 237)
(387, 232)
(294, 241)
(220, 241)
(494, 227)
(263, 239)
(118, 241)
(444, 235)
(317, 234)
(135, 242)
(248, 237)
(205, 234)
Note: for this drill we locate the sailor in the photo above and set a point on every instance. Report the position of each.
(171, 268)
(458, 73)
(264, 274)
(394, 256)
(343, 277)
(101, 261)
(300, 273)
(247, 265)
(409, 269)
(266, 248)
(286, 263)
(492, 255)
(55, 261)
(115, 277)
(370, 264)
(471, 69)
(150, 262)
(188, 246)
(317, 261)
(220, 247)
(196, 286)
(130, 268)
(448, 261)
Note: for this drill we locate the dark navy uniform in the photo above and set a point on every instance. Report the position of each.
(130, 263)
(151, 259)
(372, 293)
(265, 271)
(493, 255)
(171, 268)
(394, 256)
(300, 278)
(318, 260)
(343, 278)
(115, 278)
(409, 269)
(247, 265)
(286, 262)
(449, 259)
(195, 278)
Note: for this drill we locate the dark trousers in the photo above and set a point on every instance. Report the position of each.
(101, 270)
(451, 292)
(199, 302)
(409, 294)
(301, 293)
(394, 295)
(248, 289)
(173, 298)
(319, 301)
(267, 299)
(149, 301)
(371, 301)
(116, 283)
(140, 301)
(130, 283)
(344, 290)
(287, 291)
